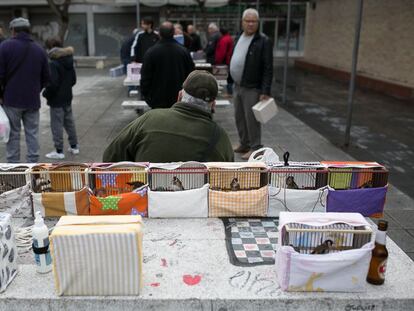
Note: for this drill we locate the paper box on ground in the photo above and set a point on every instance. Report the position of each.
(265, 110)
(97, 255)
(8, 252)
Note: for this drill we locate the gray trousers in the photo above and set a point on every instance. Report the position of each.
(249, 129)
(62, 117)
(30, 119)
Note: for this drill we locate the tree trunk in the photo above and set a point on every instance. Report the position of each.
(62, 13)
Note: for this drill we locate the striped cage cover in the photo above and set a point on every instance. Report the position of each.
(241, 203)
(97, 255)
(52, 204)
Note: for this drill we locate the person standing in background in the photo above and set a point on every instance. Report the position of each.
(143, 40)
(164, 69)
(196, 43)
(59, 97)
(223, 54)
(178, 32)
(213, 37)
(125, 52)
(251, 68)
(24, 72)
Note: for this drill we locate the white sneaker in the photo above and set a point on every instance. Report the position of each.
(55, 155)
(73, 150)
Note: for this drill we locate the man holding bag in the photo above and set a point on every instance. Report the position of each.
(24, 72)
(251, 68)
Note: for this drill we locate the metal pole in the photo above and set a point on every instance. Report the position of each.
(285, 68)
(353, 70)
(239, 17)
(138, 16)
(257, 5)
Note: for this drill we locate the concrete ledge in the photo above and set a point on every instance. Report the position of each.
(386, 87)
(98, 62)
(177, 247)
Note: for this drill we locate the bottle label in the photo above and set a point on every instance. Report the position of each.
(382, 267)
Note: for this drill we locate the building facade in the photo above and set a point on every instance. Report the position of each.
(386, 51)
(99, 29)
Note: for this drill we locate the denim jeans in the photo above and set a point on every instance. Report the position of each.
(61, 117)
(30, 119)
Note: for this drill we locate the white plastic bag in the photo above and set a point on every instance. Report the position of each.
(265, 154)
(4, 126)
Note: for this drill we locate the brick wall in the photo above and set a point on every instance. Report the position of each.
(387, 38)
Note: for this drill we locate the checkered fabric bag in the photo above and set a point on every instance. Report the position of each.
(241, 203)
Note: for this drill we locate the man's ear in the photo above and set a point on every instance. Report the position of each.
(213, 106)
(180, 95)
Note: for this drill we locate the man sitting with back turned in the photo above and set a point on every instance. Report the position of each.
(184, 132)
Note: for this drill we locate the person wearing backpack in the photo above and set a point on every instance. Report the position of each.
(59, 97)
(24, 72)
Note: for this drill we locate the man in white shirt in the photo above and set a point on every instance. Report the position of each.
(251, 68)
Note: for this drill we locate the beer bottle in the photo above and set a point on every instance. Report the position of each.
(377, 267)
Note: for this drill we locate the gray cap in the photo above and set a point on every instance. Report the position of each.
(19, 22)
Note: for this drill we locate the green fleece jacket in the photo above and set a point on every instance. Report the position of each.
(180, 133)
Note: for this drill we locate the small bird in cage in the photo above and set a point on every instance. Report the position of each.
(234, 185)
(177, 185)
(135, 184)
(323, 248)
(42, 185)
(290, 183)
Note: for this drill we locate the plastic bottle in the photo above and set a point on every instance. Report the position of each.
(376, 273)
(41, 250)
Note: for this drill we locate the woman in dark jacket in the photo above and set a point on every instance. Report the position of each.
(59, 97)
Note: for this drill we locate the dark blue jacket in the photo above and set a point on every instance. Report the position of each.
(62, 77)
(23, 88)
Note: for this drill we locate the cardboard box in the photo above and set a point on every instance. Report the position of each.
(97, 255)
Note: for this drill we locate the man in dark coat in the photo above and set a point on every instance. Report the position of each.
(196, 43)
(59, 97)
(144, 40)
(24, 71)
(165, 67)
(125, 52)
(213, 37)
(251, 68)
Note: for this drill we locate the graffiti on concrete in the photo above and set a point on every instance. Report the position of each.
(111, 33)
(42, 32)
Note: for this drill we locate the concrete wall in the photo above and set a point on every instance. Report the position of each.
(387, 38)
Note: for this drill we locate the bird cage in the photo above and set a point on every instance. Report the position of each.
(178, 190)
(15, 195)
(356, 175)
(107, 179)
(238, 189)
(237, 176)
(336, 248)
(177, 176)
(298, 175)
(62, 177)
(297, 187)
(60, 189)
(13, 176)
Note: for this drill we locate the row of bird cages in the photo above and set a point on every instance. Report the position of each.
(337, 178)
(114, 180)
(13, 178)
(306, 239)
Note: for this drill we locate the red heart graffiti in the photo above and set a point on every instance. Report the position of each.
(191, 280)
